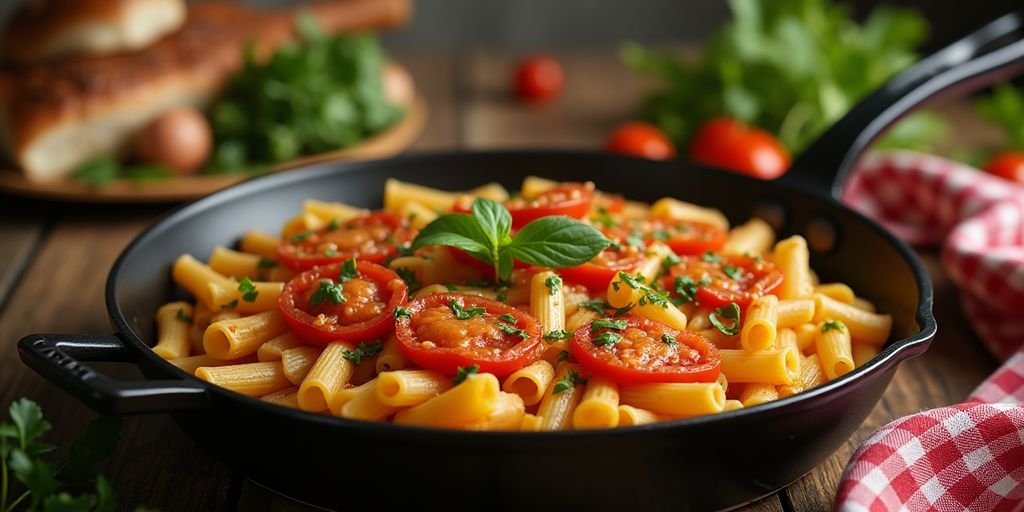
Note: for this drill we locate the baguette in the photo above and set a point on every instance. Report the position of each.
(56, 116)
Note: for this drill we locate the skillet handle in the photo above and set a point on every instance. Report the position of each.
(991, 53)
(57, 357)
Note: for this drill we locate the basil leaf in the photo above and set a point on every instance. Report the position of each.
(494, 219)
(457, 230)
(730, 312)
(557, 242)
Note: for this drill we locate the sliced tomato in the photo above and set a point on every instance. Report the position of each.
(432, 336)
(599, 272)
(722, 280)
(645, 351)
(569, 199)
(683, 236)
(364, 312)
(372, 237)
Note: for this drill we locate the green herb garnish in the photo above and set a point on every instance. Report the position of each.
(567, 382)
(733, 272)
(557, 335)
(328, 291)
(364, 350)
(597, 306)
(230, 305)
(669, 340)
(301, 236)
(731, 315)
(248, 290)
(402, 312)
(553, 242)
(510, 318)
(511, 330)
(348, 270)
(183, 316)
(710, 257)
(608, 323)
(463, 372)
(562, 357)
(833, 325)
(332, 225)
(607, 339)
(554, 284)
(463, 313)
(409, 276)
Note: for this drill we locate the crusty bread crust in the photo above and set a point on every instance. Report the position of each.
(58, 115)
(43, 30)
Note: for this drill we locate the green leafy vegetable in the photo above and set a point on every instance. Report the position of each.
(669, 340)
(510, 318)
(300, 236)
(567, 382)
(554, 284)
(463, 372)
(833, 325)
(105, 169)
(248, 290)
(364, 350)
(710, 257)
(41, 486)
(402, 312)
(562, 356)
(319, 94)
(554, 242)
(608, 323)
(328, 291)
(607, 339)
(230, 305)
(464, 314)
(596, 305)
(733, 272)
(1005, 108)
(348, 270)
(731, 315)
(511, 330)
(557, 335)
(265, 263)
(793, 67)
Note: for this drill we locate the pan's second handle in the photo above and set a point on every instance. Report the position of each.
(57, 357)
(991, 53)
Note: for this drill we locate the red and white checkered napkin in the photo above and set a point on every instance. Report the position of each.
(967, 456)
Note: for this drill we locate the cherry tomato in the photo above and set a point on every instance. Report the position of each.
(597, 273)
(731, 144)
(645, 351)
(321, 306)
(372, 237)
(721, 280)
(683, 236)
(570, 199)
(539, 79)
(498, 338)
(640, 139)
(1009, 165)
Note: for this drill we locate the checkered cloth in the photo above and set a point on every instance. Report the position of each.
(968, 456)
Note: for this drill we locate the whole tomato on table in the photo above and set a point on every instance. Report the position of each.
(1009, 165)
(731, 144)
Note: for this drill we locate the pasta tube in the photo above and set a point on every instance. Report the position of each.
(759, 326)
(864, 326)
(234, 338)
(530, 382)
(473, 399)
(327, 378)
(405, 388)
(173, 321)
(833, 347)
(253, 379)
(599, 407)
(675, 399)
(793, 259)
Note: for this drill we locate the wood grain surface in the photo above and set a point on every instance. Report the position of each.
(54, 259)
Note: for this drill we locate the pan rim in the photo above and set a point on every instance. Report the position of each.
(889, 356)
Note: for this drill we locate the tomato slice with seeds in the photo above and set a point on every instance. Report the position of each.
(597, 273)
(726, 279)
(683, 236)
(569, 199)
(447, 330)
(320, 306)
(372, 237)
(645, 351)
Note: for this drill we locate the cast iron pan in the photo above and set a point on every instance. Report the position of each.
(711, 462)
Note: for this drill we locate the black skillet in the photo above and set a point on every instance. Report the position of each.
(704, 463)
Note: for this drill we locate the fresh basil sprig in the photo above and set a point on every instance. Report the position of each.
(486, 234)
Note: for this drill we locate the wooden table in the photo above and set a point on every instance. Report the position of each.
(54, 260)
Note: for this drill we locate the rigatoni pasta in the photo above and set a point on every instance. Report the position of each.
(674, 316)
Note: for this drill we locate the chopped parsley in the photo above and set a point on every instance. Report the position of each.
(266, 263)
(554, 284)
(409, 276)
(451, 287)
(329, 291)
(710, 257)
(248, 290)
(660, 234)
(733, 272)
(597, 306)
(669, 340)
(331, 252)
(830, 325)
(608, 323)
(230, 305)
(462, 313)
(607, 339)
(731, 313)
(604, 217)
(348, 270)
(510, 318)
(332, 225)
(624, 309)
(502, 294)
(404, 249)
(512, 330)
(402, 312)
(567, 382)
(634, 282)
(183, 316)
(562, 356)
(364, 350)
(635, 239)
(301, 236)
(557, 335)
(479, 283)
(463, 372)
(669, 261)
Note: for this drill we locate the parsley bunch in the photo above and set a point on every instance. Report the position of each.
(319, 94)
(792, 67)
(45, 486)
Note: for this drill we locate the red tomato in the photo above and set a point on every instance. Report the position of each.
(683, 236)
(640, 139)
(731, 144)
(599, 272)
(365, 312)
(645, 351)
(727, 279)
(433, 337)
(1009, 165)
(539, 79)
(372, 237)
(569, 199)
